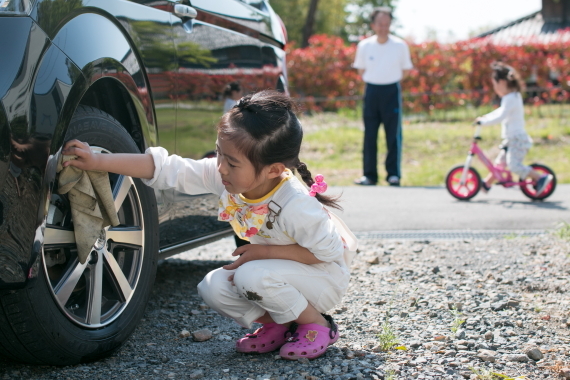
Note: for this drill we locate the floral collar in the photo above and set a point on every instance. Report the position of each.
(246, 216)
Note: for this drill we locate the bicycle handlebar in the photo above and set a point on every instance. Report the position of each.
(478, 130)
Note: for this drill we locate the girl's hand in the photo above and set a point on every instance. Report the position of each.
(86, 159)
(248, 252)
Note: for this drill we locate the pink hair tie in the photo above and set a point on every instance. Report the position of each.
(320, 186)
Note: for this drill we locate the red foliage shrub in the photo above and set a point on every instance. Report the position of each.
(444, 76)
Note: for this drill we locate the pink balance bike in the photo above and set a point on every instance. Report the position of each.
(464, 182)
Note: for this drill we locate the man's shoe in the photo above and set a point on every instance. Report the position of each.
(364, 181)
(542, 183)
(393, 180)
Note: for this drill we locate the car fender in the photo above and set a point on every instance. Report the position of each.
(66, 72)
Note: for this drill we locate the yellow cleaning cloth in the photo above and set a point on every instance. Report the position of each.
(92, 205)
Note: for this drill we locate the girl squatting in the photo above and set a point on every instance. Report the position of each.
(297, 265)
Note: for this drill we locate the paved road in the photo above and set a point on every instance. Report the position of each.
(381, 208)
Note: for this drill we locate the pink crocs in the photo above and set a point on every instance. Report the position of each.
(310, 341)
(267, 338)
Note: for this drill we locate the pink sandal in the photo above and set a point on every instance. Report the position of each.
(310, 341)
(267, 338)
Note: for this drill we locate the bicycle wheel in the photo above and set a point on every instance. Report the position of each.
(528, 188)
(466, 191)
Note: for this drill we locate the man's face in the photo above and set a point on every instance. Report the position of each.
(381, 25)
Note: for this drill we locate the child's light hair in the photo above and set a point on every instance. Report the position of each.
(503, 71)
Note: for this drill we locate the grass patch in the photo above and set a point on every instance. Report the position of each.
(457, 321)
(486, 374)
(387, 337)
(333, 146)
(563, 231)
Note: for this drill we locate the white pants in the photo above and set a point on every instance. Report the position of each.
(283, 288)
(513, 157)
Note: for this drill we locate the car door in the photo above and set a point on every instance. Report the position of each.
(221, 45)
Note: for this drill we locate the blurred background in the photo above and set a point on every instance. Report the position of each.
(452, 44)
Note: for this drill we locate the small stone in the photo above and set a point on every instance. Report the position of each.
(373, 260)
(455, 306)
(203, 306)
(498, 306)
(303, 360)
(534, 353)
(184, 334)
(198, 374)
(519, 323)
(435, 270)
(460, 334)
(349, 354)
(513, 303)
(487, 355)
(489, 335)
(520, 358)
(415, 343)
(564, 372)
(202, 335)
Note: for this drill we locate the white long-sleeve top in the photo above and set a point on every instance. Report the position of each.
(302, 219)
(511, 116)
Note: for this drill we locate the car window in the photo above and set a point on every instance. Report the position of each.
(258, 4)
(16, 6)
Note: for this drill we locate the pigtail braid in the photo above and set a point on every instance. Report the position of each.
(327, 200)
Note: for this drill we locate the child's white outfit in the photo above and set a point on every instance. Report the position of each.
(515, 139)
(287, 215)
(229, 103)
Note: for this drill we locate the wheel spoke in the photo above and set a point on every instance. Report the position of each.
(131, 236)
(121, 190)
(95, 293)
(118, 276)
(58, 236)
(68, 281)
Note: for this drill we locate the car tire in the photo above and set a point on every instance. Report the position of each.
(73, 312)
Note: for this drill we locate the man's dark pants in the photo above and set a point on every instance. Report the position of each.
(382, 105)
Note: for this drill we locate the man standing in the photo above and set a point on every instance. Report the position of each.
(382, 60)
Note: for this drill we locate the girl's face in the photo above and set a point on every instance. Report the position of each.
(500, 87)
(238, 174)
(236, 95)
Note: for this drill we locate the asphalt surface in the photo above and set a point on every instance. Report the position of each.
(383, 208)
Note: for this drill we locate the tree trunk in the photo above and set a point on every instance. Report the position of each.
(310, 23)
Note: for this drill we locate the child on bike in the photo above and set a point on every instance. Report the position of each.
(507, 84)
(297, 265)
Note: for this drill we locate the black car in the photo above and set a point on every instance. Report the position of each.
(122, 76)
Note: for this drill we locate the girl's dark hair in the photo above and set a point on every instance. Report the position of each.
(503, 71)
(264, 127)
(231, 87)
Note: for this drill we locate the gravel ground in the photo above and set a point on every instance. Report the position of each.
(498, 305)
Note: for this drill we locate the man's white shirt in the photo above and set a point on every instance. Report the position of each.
(382, 63)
